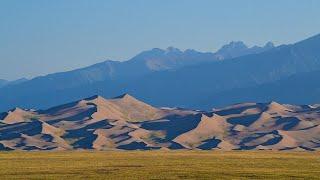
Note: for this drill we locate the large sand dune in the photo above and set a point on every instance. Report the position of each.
(126, 123)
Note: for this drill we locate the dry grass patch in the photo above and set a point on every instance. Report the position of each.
(160, 165)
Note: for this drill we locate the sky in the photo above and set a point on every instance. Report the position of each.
(39, 37)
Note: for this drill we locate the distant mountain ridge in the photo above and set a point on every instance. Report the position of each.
(6, 83)
(238, 48)
(126, 123)
(109, 78)
(186, 86)
(187, 79)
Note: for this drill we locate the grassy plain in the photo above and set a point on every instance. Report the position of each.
(160, 165)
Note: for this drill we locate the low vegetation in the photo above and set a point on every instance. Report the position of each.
(160, 165)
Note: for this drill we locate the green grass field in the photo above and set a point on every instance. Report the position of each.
(160, 165)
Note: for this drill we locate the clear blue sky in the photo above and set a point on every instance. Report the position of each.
(38, 37)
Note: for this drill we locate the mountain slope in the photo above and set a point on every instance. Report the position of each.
(15, 82)
(2, 82)
(299, 88)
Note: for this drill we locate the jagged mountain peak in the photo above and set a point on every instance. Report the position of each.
(235, 45)
(238, 48)
(269, 45)
(172, 49)
(156, 53)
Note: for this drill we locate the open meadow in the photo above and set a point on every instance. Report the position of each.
(160, 165)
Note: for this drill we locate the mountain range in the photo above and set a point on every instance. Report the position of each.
(189, 79)
(125, 123)
(110, 78)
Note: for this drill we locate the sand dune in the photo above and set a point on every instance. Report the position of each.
(16, 115)
(208, 128)
(126, 123)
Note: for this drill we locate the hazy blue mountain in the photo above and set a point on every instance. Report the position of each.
(168, 77)
(187, 85)
(169, 83)
(238, 48)
(18, 81)
(301, 88)
(158, 60)
(173, 58)
(6, 83)
(2, 82)
(108, 78)
(159, 76)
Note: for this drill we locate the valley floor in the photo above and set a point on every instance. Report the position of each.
(160, 165)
